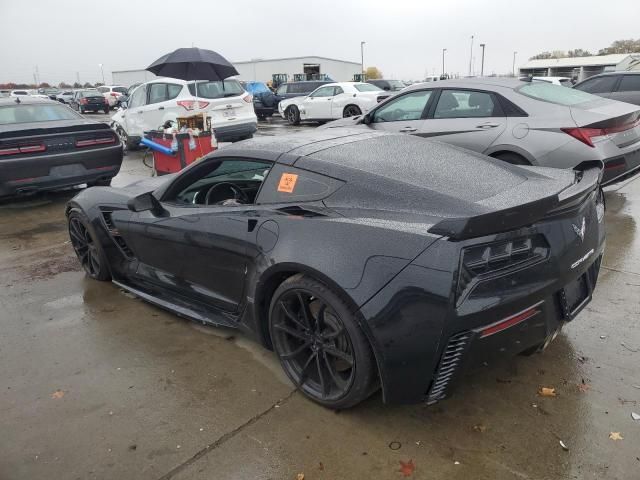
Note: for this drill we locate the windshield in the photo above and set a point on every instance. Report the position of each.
(218, 89)
(367, 87)
(556, 94)
(35, 113)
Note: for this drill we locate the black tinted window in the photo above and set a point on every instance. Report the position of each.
(598, 85)
(287, 184)
(629, 83)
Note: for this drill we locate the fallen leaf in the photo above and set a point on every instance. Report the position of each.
(320, 466)
(57, 394)
(564, 446)
(407, 468)
(300, 476)
(547, 392)
(615, 436)
(479, 428)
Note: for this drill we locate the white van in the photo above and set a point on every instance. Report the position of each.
(153, 103)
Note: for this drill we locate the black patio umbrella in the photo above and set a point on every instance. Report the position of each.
(193, 64)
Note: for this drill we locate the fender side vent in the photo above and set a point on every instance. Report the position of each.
(115, 234)
(448, 367)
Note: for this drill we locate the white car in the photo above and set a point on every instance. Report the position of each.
(154, 103)
(18, 93)
(112, 93)
(563, 81)
(332, 101)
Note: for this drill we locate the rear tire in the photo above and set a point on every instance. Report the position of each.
(351, 111)
(321, 347)
(293, 115)
(512, 158)
(87, 247)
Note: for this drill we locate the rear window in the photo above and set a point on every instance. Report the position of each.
(90, 93)
(555, 94)
(221, 89)
(629, 83)
(119, 89)
(35, 113)
(367, 87)
(103, 89)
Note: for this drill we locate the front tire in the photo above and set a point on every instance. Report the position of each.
(87, 247)
(293, 115)
(124, 138)
(351, 111)
(321, 347)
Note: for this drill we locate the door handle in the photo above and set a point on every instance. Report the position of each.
(488, 125)
(329, 99)
(408, 129)
(160, 108)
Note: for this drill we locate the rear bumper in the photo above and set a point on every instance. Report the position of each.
(49, 172)
(620, 167)
(234, 132)
(94, 107)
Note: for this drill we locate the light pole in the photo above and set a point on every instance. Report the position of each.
(513, 68)
(362, 58)
(102, 70)
(443, 50)
(482, 62)
(471, 55)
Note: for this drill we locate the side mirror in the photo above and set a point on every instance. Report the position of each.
(124, 104)
(366, 119)
(145, 202)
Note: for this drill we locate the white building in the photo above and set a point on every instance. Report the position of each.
(262, 70)
(580, 67)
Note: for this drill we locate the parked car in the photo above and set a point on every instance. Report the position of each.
(5, 93)
(125, 97)
(563, 81)
(331, 101)
(265, 102)
(19, 93)
(112, 93)
(154, 103)
(89, 101)
(362, 260)
(45, 146)
(65, 96)
(388, 85)
(52, 93)
(527, 123)
(622, 86)
(297, 89)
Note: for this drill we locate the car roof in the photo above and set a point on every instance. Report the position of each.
(480, 82)
(25, 100)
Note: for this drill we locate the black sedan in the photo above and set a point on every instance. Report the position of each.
(89, 101)
(363, 259)
(45, 145)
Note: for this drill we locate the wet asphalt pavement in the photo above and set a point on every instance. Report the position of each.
(97, 384)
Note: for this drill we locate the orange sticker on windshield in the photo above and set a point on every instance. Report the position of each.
(287, 182)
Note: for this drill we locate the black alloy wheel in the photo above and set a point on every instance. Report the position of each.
(87, 249)
(320, 346)
(351, 111)
(293, 115)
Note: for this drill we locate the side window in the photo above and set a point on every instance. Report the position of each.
(406, 107)
(598, 85)
(464, 104)
(138, 97)
(173, 90)
(157, 92)
(323, 92)
(230, 182)
(282, 90)
(286, 184)
(338, 90)
(629, 83)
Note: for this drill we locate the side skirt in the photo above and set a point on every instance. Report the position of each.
(218, 320)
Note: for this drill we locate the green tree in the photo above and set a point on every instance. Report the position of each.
(77, 85)
(373, 73)
(547, 55)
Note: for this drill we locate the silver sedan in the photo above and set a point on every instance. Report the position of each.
(525, 123)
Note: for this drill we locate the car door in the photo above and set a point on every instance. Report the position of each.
(405, 113)
(133, 115)
(153, 112)
(318, 104)
(195, 250)
(628, 89)
(467, 118)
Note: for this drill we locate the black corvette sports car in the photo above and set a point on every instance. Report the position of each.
(45, 145)
(364, 260)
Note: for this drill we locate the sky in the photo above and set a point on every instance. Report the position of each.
(404, 38)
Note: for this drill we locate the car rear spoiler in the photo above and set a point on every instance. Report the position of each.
(588, 177)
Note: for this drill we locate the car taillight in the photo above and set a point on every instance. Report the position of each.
(83, 101)
(89, 142)
(31, 148)
(190, 104)
(248, 98)
(585, 134)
